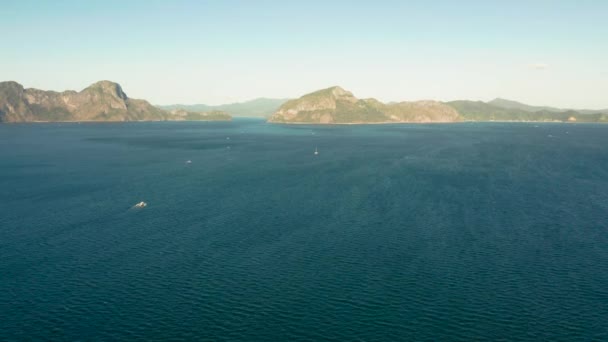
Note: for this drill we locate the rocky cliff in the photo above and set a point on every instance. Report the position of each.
(102, 101)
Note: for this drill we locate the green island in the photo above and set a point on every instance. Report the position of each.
(104, 101)
(337, 106)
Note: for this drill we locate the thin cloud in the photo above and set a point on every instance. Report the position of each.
(539, 66)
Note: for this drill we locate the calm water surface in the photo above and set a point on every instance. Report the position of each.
(393, 232)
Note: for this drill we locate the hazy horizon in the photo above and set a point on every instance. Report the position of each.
(291, 98)
(541, 53)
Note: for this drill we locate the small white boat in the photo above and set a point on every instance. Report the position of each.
(188, 161)
(316, 151)
(141, 204)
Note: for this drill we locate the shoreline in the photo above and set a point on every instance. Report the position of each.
(110, 122)
(423, 123)
(303, 123)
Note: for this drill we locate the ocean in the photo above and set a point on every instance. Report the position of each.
(442, 232)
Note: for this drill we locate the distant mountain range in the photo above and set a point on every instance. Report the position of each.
(102, 101)
(337, 106)
(508, 104)
(106, 101)
(497, 111)
(261, 108)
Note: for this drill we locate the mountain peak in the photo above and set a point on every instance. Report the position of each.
(338, 91)
(500, 100)
(11, 85)
(334, 92)
(107, 87)
(104, 83)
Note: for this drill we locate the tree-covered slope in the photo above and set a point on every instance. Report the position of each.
(482, 111)
(337, 106)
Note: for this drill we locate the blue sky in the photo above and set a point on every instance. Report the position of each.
(535, 51)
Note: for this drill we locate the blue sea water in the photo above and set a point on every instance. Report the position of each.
(455, 232)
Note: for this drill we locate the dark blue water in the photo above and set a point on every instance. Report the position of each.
(393, 232)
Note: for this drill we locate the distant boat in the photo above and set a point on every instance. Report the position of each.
(188, 161)
(141, 204)
(316, 151)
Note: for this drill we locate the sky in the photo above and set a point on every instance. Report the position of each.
(535, 51)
